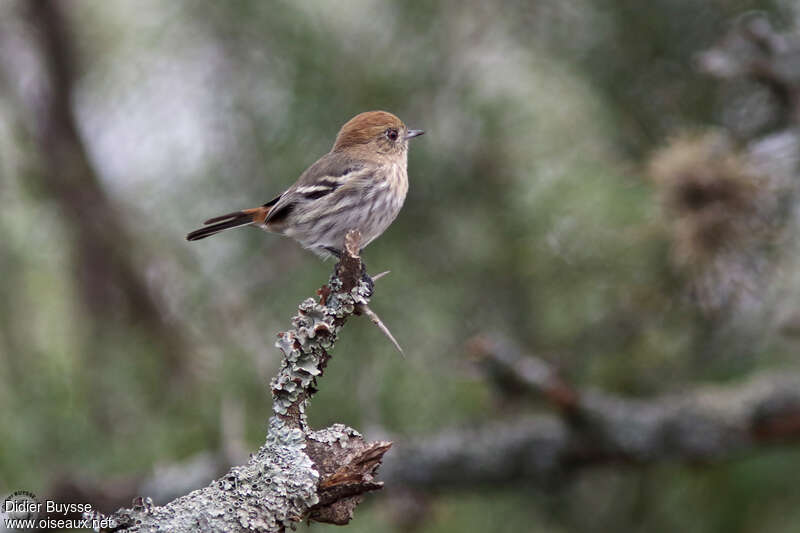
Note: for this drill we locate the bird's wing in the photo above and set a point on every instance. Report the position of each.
(329, 173)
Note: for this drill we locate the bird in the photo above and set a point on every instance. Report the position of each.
(361, 184)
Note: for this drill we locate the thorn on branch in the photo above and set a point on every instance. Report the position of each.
(373, 316)
(351, 270)
(376, 277)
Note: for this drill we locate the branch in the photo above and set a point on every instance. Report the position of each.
(297, 473)
(506, 366)
(709, 424)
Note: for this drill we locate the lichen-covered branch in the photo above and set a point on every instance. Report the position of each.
(703, 425)
(297, 473)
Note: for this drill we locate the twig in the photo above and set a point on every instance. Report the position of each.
(364, 308)
(507, 365)
(376, 277)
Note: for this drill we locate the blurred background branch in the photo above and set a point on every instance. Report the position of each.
(703, 425)
(107, 267)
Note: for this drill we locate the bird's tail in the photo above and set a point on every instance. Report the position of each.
(231, 220)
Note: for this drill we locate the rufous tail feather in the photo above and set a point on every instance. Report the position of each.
(231, 220)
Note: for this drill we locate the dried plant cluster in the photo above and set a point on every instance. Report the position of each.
(720, 217)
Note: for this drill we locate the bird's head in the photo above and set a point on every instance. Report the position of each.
(377, 132)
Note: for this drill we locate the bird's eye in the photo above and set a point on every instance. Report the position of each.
(391, 134)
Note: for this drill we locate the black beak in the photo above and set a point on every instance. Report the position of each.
(413, 133)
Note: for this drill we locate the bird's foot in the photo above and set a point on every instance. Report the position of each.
(367, 279)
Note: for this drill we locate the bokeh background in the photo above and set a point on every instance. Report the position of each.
(609, 185)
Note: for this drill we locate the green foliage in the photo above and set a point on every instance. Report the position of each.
(528, 213)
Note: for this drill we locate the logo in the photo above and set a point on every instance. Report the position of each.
(21, 505)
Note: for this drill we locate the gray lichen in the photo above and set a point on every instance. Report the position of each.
(337, 433)
(305, 346)
(273, 491)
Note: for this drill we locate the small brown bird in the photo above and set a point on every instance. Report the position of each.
(360, 184)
